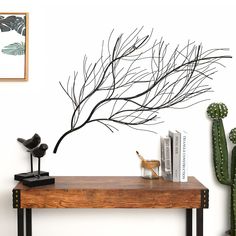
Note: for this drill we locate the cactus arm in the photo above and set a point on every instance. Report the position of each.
(233, 193)
(233, 209)
(232, 137)
(218, 111)
(233, 164)
(220, 152)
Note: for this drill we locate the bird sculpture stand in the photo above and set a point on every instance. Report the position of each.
(30, 144)
(38, 179)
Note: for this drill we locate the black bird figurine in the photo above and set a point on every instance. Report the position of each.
(30, 144)
(36, 149)
(39, 152)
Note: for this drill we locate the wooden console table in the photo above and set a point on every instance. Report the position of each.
(111, 192)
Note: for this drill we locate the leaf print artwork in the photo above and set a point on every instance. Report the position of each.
(14, 46)
(17, 24)
(14, 49)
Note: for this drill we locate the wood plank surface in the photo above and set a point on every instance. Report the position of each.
(113, 192)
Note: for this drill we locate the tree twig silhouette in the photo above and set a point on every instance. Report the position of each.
(135, 78)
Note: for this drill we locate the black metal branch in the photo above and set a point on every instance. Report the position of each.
(133, 91)
(129, 51)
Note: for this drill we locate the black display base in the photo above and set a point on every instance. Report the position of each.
(38, 181)
(27, 175)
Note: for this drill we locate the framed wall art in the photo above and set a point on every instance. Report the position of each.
(14, 46)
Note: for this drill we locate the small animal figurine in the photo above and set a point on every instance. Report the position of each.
(30, 144)
(39, 179)
(39, 152)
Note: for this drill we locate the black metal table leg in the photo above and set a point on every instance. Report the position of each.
(199, 222)
(20, 221)
(189, 222)
(28, 222)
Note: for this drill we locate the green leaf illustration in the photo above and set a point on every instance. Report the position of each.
(7, 23)
(13, 23)
(19, 25)
(14, 49)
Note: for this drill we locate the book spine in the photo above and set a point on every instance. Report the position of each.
(183, 159)
(167, 154)
(162, 158)
(175, 138)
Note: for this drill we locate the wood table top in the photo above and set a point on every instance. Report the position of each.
(116, 182)
(113, 192)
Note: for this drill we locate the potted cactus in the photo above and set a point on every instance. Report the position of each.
(218, 111)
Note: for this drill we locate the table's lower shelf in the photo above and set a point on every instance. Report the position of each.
(112, 192)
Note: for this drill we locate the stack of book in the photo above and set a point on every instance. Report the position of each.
(174, 156)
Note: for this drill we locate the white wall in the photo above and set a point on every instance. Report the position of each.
(61, 32)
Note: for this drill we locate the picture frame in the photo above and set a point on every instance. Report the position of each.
(14, 46)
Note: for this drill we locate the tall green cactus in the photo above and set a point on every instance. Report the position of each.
(218, 111)
(232, 137)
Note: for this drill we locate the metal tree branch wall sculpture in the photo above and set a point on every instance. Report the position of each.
(136, 78)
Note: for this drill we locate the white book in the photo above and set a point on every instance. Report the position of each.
(162, 157)
(175, 150)
(166, 158)
(183, 157)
